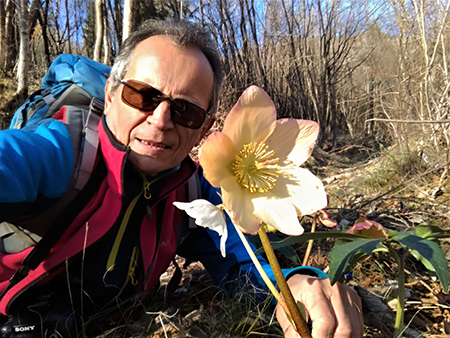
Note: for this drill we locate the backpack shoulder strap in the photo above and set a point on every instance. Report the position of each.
(192, 192)
(89, 146)
(79, 191)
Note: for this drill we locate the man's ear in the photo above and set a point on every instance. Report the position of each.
(206, 127)
(109, 95)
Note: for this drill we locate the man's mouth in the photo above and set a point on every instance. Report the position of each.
(157, 145)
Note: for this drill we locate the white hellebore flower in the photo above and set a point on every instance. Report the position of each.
(255, 161)
(207, 215)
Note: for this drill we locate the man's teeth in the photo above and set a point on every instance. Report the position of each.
(153, 144)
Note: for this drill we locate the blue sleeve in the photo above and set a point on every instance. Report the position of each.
(237, 262)
(34, 161)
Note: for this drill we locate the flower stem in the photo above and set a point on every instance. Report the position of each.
(310, 243)
(400, 313)
(293, 312)
(261, 271)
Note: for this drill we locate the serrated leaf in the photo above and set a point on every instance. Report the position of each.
(341, 256)
(430, 251)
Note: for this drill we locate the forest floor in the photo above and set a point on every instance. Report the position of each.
(364, 178)
(399, 188)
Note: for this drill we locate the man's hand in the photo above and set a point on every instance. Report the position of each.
(335, 311)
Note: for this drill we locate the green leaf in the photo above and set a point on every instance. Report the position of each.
(341, 256)
(356, 258)
(287, 251)
(319, 235)
(426, 230)
(392, 233)
(301, 308)
(430, 232)
(431, 252)
(425, 262)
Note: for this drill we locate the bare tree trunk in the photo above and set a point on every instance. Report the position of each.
(9, 36)
(106, 43)
(44, 24)
(33, 15)
(99, 13)
(128, 10)
(69, 44)
(24, 55)
(116, 17)
(2, 33)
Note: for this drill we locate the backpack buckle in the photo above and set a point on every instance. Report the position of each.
(47, 96)
(97, 106)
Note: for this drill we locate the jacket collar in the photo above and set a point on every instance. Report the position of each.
(116, 154)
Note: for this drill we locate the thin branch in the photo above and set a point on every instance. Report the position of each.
(407, 121)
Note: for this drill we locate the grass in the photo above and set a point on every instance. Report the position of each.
(217, 317)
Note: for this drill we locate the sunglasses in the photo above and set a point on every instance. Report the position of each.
(142, 96)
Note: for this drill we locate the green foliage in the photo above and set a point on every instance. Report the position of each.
(341, 257)
(420, 242)
(367, 237)
(287, 251)
(427, 252)
(319, 235)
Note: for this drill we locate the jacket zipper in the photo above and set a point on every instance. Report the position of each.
(115, 249)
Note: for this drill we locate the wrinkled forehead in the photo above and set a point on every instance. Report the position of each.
(175, 70)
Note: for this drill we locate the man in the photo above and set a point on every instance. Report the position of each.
(160, 101)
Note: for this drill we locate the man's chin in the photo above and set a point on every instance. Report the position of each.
(149, 166)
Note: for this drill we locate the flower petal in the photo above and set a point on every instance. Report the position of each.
(293, 140)
(238, 202)
(304, 190)
(251, 117)
(208, 216)
(368, 228)
(279, 214)
(216, 156)
(325, 219)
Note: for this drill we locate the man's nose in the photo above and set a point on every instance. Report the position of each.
(160, 117)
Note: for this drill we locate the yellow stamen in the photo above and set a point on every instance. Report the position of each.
(255, 167)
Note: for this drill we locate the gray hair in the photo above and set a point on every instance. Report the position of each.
(183, 33)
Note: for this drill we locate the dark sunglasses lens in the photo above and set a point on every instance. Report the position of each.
(187, 114)
(144, 97)
(140, 95)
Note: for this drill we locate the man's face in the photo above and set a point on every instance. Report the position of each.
(156, 142)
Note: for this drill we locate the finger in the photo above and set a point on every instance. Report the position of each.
(346, 315)
(288, 329)
(356, 305)
(315, 294)
(323, 318)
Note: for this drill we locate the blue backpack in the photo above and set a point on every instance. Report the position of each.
(71, 80)
(77, 83)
